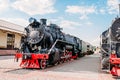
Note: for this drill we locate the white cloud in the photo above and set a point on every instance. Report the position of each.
(102, 11)
(80, 9)
(33, 7)
(4, 5)
(89, 23)
(69, 24)
(83, 11)
(113, 6)
(55, 20)
(18, 21)
(83, 17)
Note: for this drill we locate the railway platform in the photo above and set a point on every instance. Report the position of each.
(86, 68)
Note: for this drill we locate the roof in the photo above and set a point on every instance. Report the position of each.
(8, 26)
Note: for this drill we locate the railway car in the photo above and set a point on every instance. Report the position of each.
(45, 45)
(84, 47)
(110, 48)
(90, 49)
(87, 48)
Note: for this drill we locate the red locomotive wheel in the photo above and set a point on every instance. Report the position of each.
(43, 64)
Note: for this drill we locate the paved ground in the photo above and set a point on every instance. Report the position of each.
(86, 68)
(6, 57)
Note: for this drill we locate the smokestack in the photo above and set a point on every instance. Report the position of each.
(43, 21)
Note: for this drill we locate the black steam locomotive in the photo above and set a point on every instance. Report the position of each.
(110, 47)
(47, 45)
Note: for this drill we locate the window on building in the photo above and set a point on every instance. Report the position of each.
(10, 41)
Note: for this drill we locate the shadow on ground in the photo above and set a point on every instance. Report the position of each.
(89, 63)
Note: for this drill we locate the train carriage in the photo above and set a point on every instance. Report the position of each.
(87, 48)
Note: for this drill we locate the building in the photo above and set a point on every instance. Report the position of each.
(10, 35)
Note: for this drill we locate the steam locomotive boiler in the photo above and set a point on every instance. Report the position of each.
(47, 45)
(110, 48)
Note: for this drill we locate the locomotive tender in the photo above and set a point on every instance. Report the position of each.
(47, 45)
(110, 48)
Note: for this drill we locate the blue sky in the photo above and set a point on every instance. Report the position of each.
(86, 19)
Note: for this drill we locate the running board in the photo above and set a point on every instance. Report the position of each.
(60, 41)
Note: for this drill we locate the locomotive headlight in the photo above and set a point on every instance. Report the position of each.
(31, 20)
(113, 52)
